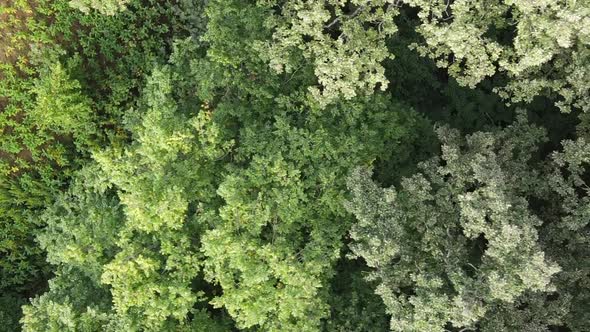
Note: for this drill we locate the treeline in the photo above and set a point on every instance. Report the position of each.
(225, 165)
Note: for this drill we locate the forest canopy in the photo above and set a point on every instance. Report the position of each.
(266, 165)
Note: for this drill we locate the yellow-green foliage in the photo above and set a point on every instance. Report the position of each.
(65, 79)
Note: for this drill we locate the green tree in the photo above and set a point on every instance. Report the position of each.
(36, 141)
(124, 236)
(66, 78)
(542, 46)
(279, 234)
(344, 40)
(276, 239)
(477, 238)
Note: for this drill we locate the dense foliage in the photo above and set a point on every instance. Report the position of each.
(480, 235)
(359, 165)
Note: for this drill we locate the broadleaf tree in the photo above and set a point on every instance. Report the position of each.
(476, 238)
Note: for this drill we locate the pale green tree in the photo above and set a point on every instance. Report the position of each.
(543, 47)
(106, 7)
(344, 40)
(477, 238)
